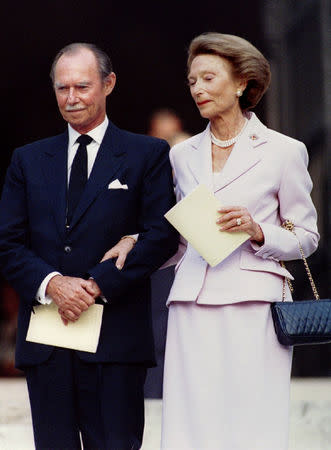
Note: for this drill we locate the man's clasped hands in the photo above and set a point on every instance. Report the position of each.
(74, 295)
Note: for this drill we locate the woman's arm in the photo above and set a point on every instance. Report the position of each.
(295, 204)
(126, 243)
(120, 251)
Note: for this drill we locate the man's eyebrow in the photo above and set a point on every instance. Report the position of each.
(80, 83)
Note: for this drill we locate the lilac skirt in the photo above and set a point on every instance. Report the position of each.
(226, 379)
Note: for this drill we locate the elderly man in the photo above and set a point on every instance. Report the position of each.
(66, 201)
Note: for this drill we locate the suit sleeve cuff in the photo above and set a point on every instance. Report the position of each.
(276, 239)
(103, 298)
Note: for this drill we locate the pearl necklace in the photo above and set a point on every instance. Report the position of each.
(228, 142)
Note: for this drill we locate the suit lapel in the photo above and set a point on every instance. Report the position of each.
(55, 170)
(245, 154)
(200, 161)
(109, 159)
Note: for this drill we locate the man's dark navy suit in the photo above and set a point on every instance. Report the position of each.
(34, 240)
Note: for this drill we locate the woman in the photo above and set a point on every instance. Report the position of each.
(227, 379)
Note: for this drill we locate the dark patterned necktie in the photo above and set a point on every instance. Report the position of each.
(78, 176)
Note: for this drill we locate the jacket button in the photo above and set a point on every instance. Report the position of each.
(67, 249)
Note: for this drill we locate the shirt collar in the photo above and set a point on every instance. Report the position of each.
(96, 134)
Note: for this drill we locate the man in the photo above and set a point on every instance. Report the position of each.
(64, 203)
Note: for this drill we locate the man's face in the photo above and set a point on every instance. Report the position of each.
(80, 91)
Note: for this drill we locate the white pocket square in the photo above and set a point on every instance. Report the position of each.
(116, 184)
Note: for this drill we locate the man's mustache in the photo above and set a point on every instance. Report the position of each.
(73, 107)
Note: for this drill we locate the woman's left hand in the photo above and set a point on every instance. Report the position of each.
(238, 218)
(120, 251)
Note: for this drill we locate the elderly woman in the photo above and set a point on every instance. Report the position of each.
(227, 378)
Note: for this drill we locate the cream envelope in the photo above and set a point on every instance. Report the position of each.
(195, 218)
(116, 184)
(46, 327)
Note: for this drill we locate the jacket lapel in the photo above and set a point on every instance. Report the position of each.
(110, 157)
(200, 160)
(55, 171)
(245, 154)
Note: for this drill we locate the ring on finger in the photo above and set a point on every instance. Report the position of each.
(238, 222)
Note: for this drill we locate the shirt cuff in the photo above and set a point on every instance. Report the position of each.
(41, 296)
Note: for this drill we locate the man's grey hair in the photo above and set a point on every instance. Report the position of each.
(103, 60)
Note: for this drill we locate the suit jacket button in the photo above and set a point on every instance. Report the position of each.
(67, 249)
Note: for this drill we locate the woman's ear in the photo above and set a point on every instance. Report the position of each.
(241, 85)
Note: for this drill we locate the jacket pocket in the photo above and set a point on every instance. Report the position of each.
(249, 261)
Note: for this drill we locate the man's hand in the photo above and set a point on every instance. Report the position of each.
(72, 295)
(120, 251)
(92, 288)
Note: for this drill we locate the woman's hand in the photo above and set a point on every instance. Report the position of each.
(120, 251)
(237, 218)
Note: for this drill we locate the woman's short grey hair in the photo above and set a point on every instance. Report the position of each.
(103, 60)
(247, 62)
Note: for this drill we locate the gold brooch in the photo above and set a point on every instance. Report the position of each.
(253, 137)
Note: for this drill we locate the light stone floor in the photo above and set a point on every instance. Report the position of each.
(310, 416)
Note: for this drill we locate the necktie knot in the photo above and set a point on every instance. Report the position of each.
(84, 139)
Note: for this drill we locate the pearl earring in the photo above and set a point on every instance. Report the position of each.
(239, 93)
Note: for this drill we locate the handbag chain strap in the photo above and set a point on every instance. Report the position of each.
(288, 225)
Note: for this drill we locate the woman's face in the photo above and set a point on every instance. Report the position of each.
(213, 87)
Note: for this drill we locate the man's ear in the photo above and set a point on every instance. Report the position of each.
(109, 83)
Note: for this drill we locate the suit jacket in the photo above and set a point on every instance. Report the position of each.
(34, 241)
(267, 173)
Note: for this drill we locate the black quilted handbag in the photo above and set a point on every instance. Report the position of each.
(302, 322)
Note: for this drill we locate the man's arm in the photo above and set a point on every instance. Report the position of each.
(21, 267)
(24, 270)
(157, 241)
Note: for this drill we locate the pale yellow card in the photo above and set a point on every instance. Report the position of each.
(195, 218)
(46, 327)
